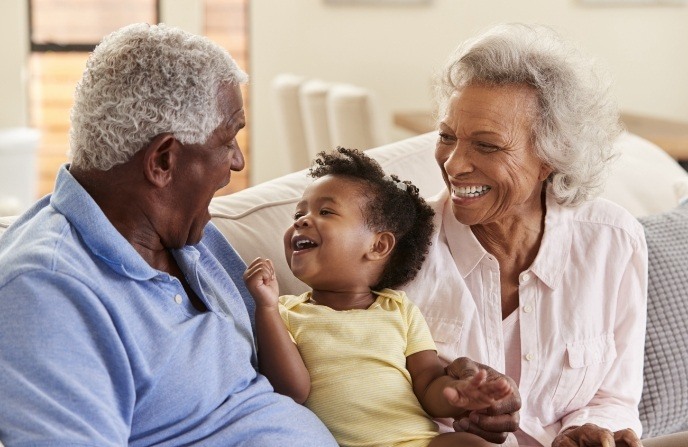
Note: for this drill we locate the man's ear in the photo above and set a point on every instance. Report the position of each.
(159, 158)
(382, 246)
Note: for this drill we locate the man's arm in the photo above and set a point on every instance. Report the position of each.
(64, 377)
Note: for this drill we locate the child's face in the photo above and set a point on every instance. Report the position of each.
(327, 245)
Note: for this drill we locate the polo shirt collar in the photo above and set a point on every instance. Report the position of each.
(95, 230)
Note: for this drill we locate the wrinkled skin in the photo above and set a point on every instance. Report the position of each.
(496, 422)
(593, 435)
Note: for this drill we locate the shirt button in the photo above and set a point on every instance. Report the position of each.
(530, 356)
(178, 299)
(527, 308)
(525, 277)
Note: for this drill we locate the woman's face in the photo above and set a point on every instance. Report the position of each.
(485, 151)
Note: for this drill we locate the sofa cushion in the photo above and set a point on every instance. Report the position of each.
(664, 405)
(640, 173)
(255, 219)
(5, 222)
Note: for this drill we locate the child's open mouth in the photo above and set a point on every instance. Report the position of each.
(299, 243)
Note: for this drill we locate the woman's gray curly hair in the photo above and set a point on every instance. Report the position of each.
(578, 119)
(144, 80)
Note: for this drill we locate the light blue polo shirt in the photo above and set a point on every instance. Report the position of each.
(99, 349)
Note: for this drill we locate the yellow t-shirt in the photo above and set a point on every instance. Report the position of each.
(360, 387)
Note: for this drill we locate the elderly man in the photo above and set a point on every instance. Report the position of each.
(123, 316)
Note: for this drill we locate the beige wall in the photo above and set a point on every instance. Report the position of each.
(395, 50)
(13, 49)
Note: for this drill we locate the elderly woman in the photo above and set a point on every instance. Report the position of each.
(123, 314)
(528, 272)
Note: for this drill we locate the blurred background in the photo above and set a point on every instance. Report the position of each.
(392, 48)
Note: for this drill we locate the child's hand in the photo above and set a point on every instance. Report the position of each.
(476, 393)
(261, 281)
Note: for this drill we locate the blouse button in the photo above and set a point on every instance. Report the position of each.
(530, 356)
(178, 299)
(527, 308)
(525, 277)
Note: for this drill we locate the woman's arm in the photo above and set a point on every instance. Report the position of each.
(615, 404)
(278, 357)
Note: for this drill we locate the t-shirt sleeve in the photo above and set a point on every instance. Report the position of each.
(284, 313)
(418, 334)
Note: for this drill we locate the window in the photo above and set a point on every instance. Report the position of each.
(63, 32)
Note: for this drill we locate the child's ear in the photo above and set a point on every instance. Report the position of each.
(382, 246)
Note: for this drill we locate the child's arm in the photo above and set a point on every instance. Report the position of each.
(443, 396)
(278, 358)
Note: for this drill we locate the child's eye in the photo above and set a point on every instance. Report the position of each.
(324, 212)
(297, 215)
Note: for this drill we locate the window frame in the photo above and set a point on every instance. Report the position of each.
(36, 47)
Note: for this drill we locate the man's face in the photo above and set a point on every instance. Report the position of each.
(203, 169)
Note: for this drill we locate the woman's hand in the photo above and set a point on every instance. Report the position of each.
(593, 435)
(494, 423)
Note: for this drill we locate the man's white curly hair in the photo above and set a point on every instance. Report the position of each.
(578, 119)
(144, 80)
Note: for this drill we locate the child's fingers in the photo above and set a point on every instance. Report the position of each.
(262, 267)
(466, 394)
(478, 378)
(497, 389)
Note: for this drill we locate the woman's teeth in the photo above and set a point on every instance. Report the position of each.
(470, 191)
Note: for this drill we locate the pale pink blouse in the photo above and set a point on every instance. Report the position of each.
(581, 315)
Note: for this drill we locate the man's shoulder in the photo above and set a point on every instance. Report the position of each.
(36, 242)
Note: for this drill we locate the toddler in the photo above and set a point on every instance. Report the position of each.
(354, 349)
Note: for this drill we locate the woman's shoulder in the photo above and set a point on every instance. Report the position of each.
(603, 213)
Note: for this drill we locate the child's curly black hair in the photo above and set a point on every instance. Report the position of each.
(392, 205)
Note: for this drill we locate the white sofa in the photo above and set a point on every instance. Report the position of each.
(645, 180)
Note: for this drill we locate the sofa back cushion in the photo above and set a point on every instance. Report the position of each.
(254, 220)
(664, 405)
(644, 179)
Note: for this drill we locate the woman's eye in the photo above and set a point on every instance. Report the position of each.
(486, 147)
(445, 138)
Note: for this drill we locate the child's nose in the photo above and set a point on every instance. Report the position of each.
(302, 221)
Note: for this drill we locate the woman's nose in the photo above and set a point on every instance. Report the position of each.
(458, 162)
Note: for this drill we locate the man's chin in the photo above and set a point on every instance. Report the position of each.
(195, 237)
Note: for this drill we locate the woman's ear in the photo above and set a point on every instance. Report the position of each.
(545, 171)
(382, 246)
(159, 158)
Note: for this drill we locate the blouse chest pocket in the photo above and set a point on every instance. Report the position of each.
(447, 334)
(586, 363)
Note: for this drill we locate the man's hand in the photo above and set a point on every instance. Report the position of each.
(494, 423)
(593, 435)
